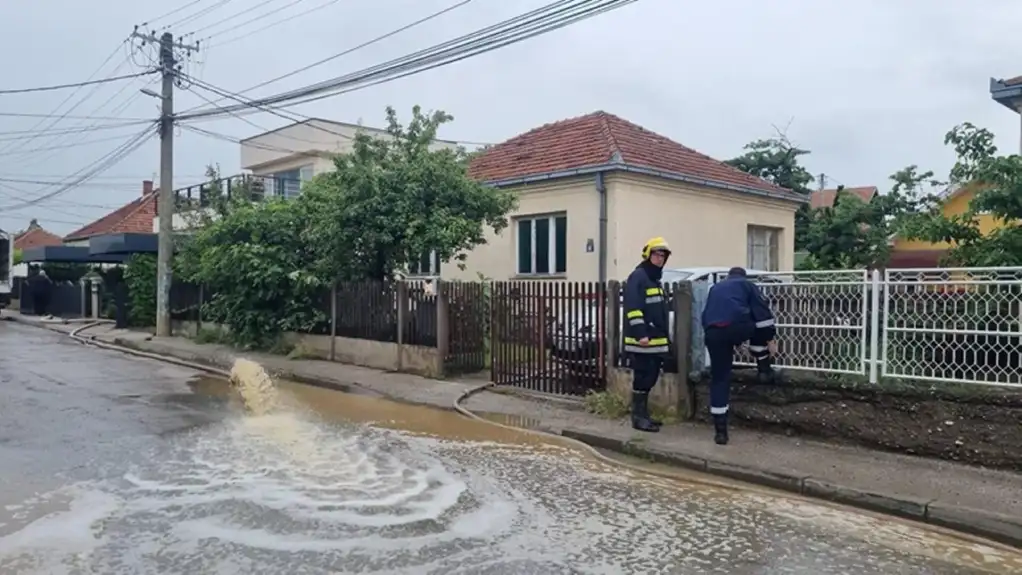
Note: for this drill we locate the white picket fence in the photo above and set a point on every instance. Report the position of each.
(941, 325)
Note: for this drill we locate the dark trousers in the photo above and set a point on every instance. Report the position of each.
(645, 371)
(721, 343)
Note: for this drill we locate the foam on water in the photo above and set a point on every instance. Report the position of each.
(255, 386)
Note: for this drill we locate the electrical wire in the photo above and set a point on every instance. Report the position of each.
(75, 84)
(106, 118)
(72, 94)
(231, 40)
(196, 15)
(18, 135)
(99, 166)
(67, 146)
(171, 13)
(244, 12)
(551, 17)
(366, 44)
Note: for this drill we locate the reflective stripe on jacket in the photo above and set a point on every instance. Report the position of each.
(646, 314)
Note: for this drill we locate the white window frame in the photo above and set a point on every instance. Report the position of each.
(551, 245)
(763, 239)
(416, 271)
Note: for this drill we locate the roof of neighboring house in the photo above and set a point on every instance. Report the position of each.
(1016, 81)
(313, 121)
(901, 259)
(601, 139)
(35, 236)
(134, 217)
(826, 198)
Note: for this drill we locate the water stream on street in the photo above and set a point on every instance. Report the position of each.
(304, 480)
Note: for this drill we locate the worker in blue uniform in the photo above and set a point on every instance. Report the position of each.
(646, 325)
(736, 312)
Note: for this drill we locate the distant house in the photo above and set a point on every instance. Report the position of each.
(295, 153)
(137, 216)
(35, 236)
(827, 198)
(907, 253)
(593, 189)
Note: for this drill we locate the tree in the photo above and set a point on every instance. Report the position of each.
(996, 181)
(777, 161)
(854, 233)
(393, 199)
(258, 267)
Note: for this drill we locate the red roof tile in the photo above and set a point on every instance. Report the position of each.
(35, 236)
(1012, 81)
(135, 217)
(826, 198)
(598, 139)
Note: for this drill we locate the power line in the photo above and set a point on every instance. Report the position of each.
(75, 84)
(366, 44)
(196, 15)
(171, 13)
(99, 166)
(234, 39)
(107, 118)
(551, 17)
(244, 12)
(18, 135)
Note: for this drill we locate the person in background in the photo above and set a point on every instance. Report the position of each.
(646, 329)
(736, 312)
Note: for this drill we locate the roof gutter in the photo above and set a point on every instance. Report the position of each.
(646, 171)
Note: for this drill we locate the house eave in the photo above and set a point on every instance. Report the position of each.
(283, 159)
(646, 171)
(1008, 96)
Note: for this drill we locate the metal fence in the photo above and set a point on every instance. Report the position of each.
(960, 325)
(549, 336)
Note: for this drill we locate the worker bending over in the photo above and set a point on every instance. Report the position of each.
(736, 312)
(646, 329)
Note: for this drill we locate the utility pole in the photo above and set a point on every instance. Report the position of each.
(823, 182)
(165, 203)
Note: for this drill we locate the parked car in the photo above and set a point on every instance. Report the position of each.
(574, 341)
(6, 268)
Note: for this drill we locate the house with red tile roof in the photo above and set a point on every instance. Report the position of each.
(594, 188)
(35, 236)
(826, 198)
(136, 216)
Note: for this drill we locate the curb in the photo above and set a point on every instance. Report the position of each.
(994, 526)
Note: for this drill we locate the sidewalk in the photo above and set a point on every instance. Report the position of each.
(971, 499)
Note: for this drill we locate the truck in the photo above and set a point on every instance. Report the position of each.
(6, 267)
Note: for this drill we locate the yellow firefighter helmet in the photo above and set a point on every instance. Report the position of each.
(657, 244)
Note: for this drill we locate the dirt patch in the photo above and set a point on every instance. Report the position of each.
(980, 425)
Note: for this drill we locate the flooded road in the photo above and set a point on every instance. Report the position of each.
(115, 465)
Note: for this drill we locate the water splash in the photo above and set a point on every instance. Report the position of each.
(255, 386)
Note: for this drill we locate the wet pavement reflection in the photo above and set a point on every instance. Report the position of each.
(116, 465)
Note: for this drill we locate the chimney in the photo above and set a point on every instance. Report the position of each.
(147, 187)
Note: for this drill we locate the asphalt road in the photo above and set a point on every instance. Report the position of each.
(110, 464)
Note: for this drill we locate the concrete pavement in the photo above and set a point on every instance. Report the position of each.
(980, 501)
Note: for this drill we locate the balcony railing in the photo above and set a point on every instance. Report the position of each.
(254, 188)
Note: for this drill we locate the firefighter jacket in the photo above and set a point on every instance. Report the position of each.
(736, 300)
(646, 314)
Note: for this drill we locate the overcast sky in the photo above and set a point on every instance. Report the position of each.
(868, 86)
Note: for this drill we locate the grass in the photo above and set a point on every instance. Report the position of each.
(610, 405)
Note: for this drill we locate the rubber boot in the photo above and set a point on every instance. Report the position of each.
(720, 429)
(640, 413)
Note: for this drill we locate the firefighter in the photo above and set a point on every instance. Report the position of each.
(736, 312)
(646, 325)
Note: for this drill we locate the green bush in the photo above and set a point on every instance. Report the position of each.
(140, 277)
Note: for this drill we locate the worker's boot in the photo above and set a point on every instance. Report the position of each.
(640, 413)
(720, 429)
(765, 372)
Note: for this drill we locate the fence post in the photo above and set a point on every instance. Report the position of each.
(874, 327)
(94, 288)
(442, 324)
(402, 321)
(85, 284)
(613, 323)
(333, 320)
(198, 310)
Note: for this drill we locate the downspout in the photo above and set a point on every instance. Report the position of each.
(601, 188)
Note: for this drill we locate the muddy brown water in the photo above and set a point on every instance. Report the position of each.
(301, 479)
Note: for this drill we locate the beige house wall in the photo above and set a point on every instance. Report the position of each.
(575, 197)
(704, 226)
